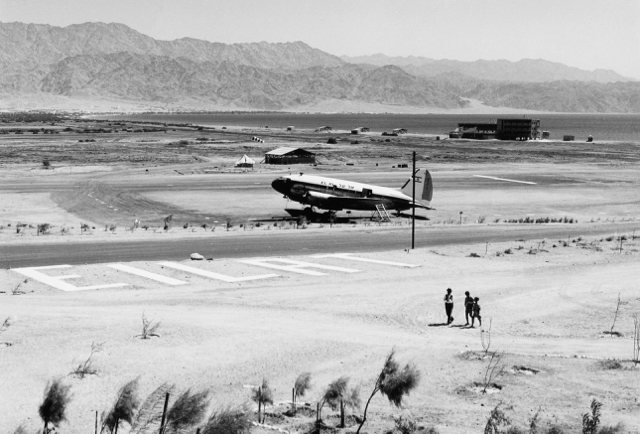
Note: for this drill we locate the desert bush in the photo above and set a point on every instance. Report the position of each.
(482, 218)
(339, 396)
(84, 227)
(473, 255)
(43, 229)
(228, 421)
(591, 421)
(86, 368)
(113, 228)
(405, 424)
(123, 409)
(394, 383)
(611, 429)
(262, 395)
(508, 251)
(301, 386)
(332, 141)
(54, 405)
(494, 369)
(5, 325)
(497, 421)
(149, 416)
(149, 328)
(188, 410)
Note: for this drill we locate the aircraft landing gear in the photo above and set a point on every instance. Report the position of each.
(329, 217)
(308, 213)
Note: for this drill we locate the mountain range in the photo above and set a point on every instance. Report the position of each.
(95, 61)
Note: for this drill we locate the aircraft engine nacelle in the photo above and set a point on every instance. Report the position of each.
(317, 199)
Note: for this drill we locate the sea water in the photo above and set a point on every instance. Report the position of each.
(610, 127)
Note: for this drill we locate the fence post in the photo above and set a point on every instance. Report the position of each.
(164, 413)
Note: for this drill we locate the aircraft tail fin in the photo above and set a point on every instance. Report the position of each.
(424, 187)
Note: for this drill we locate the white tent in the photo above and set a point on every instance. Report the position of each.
(245, 162)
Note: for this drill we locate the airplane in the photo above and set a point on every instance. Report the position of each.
(336, 194)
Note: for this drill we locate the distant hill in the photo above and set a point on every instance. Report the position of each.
(114, 63)
(526, 70)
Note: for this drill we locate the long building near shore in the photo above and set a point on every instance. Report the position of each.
(501, 129)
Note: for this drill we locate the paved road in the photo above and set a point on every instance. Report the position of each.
(290, 242)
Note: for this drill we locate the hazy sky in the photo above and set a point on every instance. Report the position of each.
(588, 34)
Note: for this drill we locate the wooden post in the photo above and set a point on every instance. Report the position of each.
(259, 401)
(341, 414)
(115, 427)
(293, 400)
(164, 413)
(620, 243)
(96, 429)
(486, 249)
(413, 211)
(318, 412)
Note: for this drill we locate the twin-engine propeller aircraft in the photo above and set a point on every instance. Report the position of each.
(335, 194)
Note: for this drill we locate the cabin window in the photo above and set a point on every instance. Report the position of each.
(366, 192)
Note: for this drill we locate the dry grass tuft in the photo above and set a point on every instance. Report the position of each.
(123, 409)
(188, 410)
(228, 421)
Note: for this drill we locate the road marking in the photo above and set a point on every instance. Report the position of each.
(348, 256)
(58, 281)
(296, 266)
(212, 275)
(147, 274)
(504, 179)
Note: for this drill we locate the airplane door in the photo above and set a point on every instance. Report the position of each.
(366, 192)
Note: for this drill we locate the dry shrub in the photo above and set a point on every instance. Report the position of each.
(123, 409)
(150, 414)
(591, 421)
(228, 421)
(262, 396)
(54, 405)
(86, 368)
(188, 410)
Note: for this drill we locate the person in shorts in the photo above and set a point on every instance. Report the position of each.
(448, 305)
(468, 306)
(476, 312)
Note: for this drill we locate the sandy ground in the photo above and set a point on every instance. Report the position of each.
(548, 303)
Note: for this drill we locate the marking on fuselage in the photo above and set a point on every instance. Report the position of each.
(58, 281)
(296, 266)
(349, 256)
(147, 274)
(504, 179)
(212, 275)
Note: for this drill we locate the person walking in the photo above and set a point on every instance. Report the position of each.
(448, 305)
(476, 312)
(468, 306)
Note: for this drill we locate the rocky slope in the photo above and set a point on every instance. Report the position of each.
(526, 70)
(114, 62)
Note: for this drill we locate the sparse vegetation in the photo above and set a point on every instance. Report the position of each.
(262, 395)
(123, 409)
(591, 421)
(53, 409)
(86, 368)
(394, 383)
(149, 328)
(228, 421)
(339, 396)
(186, 412)
(494, 369)
(300, 388)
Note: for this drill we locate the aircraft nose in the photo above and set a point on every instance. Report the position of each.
(280, 186)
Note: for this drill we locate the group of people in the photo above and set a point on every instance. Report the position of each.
(471, 308)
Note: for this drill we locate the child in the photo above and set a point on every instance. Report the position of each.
(476, 312)
(468, 306)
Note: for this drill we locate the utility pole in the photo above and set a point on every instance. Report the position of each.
(413, 210)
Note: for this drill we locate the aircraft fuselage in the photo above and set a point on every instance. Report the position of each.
(337, 194)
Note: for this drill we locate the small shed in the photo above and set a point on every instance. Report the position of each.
(289, 156)
(245, 162)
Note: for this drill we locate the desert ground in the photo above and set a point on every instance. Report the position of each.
(549, 304)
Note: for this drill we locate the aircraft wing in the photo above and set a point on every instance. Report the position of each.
(351, 202)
